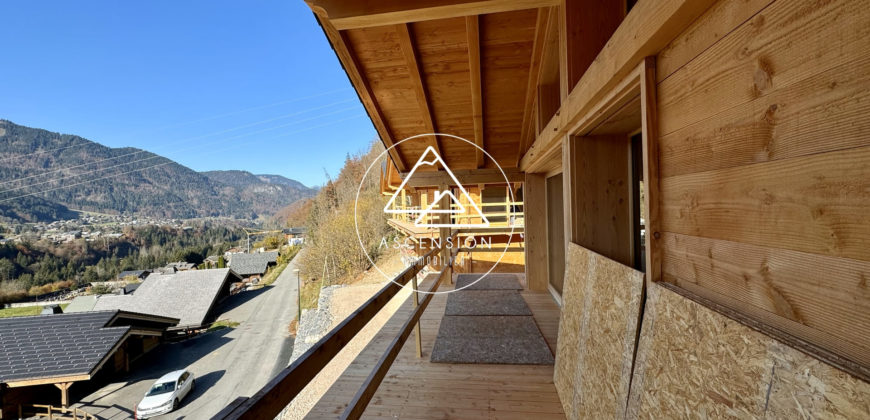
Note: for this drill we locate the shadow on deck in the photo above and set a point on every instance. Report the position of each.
(417, 388)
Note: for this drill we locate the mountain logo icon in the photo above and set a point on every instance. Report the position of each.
(431, 158)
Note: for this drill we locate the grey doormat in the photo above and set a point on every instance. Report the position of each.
(491, 339)
(492, 281)
(486, 302)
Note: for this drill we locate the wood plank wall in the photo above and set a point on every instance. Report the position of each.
(764, 110)
(597, 202)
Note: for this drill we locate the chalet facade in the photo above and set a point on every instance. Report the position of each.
(694, 180)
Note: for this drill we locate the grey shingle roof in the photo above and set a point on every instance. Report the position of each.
(186, 295)
(81, 304)
(69, 344)
(134, 273)
(55, 345)
(250, 264)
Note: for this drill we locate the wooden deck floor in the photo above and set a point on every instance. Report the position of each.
(414, 388)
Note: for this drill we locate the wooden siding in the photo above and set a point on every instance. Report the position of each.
(765, 165)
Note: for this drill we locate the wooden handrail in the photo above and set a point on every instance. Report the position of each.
(268, 402)
(57, 413)
(362, 398)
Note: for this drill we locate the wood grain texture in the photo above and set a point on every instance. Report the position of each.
(472, 31)
(598, 326)
(542, 31)
(784, 44)
(649, 27)
(598, 187)
(535, 225)
(360, 14)
(816, 204)
(651, 151)
(345, 54)
(825, 294)
(586, 27)
(722, 18)
(415, 388)
(821, 113)
(691, 359)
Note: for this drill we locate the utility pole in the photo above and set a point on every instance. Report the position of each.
(298, 297)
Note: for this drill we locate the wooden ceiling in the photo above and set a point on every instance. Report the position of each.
(457, 67)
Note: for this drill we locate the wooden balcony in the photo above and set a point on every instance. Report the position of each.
(416, 388)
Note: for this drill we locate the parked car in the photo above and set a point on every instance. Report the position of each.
(166, 394)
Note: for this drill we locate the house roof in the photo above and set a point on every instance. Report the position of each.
(43, 347)
(81, 304)
(186, 295)
(135, 273)
(250, 264)
(181, 265)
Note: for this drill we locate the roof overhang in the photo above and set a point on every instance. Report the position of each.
(458, 67)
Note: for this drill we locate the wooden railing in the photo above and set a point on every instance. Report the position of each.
(511, 211)
(280, 391)
(53, 413)
(362, 398)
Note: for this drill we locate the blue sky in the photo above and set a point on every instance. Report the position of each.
(210, 84)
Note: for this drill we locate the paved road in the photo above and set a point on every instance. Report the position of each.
(228, 363)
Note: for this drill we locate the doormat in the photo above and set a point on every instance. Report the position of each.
(493, 281)
(486, 302)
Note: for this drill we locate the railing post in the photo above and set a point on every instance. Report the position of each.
(444, 232)
(418, 334)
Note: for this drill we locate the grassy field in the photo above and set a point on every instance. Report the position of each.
(23, 311)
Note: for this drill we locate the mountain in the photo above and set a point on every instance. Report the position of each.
(267, 193)
(76, 173)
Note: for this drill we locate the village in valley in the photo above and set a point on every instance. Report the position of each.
(135, 323)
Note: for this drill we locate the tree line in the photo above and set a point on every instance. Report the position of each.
(38, 267)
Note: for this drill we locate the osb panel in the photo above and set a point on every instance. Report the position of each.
(597, 332)
(693, 361)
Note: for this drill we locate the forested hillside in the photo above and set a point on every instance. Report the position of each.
(41, 266)
(332, 238)
(44, 174)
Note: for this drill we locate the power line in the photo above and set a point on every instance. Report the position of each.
(180, 141)
(167, 163)
(213, 117)
(159, 156)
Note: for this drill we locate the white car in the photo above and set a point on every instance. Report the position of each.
(166, 394)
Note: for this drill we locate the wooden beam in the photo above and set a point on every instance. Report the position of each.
(649, 27)
(472, 34)
(649, 127)
(342, 49)
(535, 236)
(362, 14)
(464, 176)
(46, 381)
(542, 29)
(64, 393)
(406, 42)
